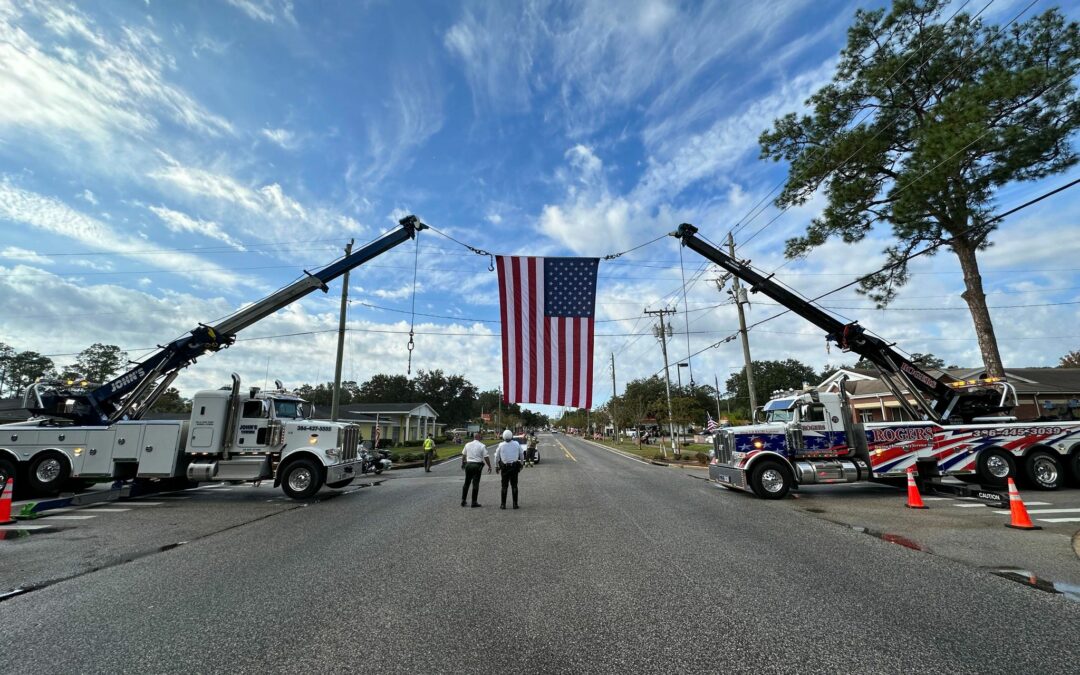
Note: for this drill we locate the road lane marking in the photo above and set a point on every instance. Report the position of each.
(69, 517)
(97, 510)
(937, 499)
(565, 450)
(1040, 511)
(1058, 520)
(144, 503)
(968, 506)
(616, 452)
(1037, 504)
(13, 528)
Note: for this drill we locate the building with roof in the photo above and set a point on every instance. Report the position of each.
(1040, 392)
(398, 422)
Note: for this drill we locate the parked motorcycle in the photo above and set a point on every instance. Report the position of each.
(375, 461)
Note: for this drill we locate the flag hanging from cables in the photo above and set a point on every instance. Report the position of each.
(548, 307)
(710, 425)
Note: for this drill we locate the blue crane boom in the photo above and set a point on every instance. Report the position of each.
(939, 398)
(131, 394)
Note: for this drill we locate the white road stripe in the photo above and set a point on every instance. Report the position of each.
(13, 528)
(1037, 504)
(99, 510)
(968, 506)
(937, 499)
(1058, 520)
(1039, 511)
(615, 452)
(143, 503)
(70, 517)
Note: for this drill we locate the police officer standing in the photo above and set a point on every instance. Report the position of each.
(473, 459)
(508, 460)
(429, 453)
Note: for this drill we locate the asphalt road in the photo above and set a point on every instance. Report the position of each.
(610, 565)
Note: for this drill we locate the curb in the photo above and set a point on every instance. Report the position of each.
(654, 462)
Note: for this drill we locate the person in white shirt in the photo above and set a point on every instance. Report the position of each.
(508, 460)
(473, 458)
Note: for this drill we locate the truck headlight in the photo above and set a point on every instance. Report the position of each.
(332, 453)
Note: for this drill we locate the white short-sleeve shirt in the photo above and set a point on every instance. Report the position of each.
(475, 451)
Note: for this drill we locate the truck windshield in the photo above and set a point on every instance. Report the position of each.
(289, 409)
(779, 415)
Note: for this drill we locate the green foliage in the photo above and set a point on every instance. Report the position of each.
(770, 376)
(171, 401)
(99, 362)
(24, 368)
(922, 123)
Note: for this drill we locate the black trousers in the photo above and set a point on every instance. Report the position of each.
(428, 456)
(473, 470)
(510, 477)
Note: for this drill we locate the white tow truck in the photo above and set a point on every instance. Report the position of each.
(90, 432)
(963, 428)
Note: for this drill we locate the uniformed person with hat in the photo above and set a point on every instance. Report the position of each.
(508, 461)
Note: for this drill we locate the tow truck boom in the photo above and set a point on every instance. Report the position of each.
(938, 398)
(132, 393)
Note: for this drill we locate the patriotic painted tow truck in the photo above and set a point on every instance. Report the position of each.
(90, 432)
(809, 437)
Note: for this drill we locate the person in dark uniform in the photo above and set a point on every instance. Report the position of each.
(473, 459)
(429, 453)
(508, 461)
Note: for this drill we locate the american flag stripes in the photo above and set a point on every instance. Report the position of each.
(711, 425)
(548, 307)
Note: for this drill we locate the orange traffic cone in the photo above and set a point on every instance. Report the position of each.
(914, 499)
(5, 502)
(1018, 515)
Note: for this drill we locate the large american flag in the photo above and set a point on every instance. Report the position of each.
(547, 329)
(710, 425)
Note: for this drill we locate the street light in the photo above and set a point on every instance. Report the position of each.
(679, 371)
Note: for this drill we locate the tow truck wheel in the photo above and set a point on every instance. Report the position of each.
(1043, 470)
(995, 467)
(338, 484)
(770, 480)
(48, 472)
(7, 470)
(302, 479)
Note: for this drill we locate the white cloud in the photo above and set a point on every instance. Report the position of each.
(262, 212)
(282, 137)
(53, 216)
(181, 222)
(88, 196)
(268, 11)
(90, 86)
(24, 255)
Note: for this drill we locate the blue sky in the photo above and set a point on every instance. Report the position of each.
(164, 163)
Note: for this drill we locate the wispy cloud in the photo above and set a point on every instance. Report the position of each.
(260, 211)
(268, 11)
(55, 217)
(24, 255)
(281, 137)
(78, 83)
(181, 222)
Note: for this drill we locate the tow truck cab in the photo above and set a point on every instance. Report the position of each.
(802, 439)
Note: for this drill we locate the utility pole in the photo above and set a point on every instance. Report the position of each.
(740, 298)
(340, 339)
(614, 392)
(662, 331)
(716, 382)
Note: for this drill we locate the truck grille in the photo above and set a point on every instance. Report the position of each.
(722, 442)
(349, 442)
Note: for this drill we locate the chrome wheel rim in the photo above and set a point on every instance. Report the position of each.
(300, 479)
(48, 470)
(997, 466)
(1045, 471)
(772, 480)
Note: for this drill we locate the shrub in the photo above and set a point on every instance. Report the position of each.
(659, 457)
(702, 458)
(412, 456)
(394, 457)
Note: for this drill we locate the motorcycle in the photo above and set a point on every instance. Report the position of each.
(374, 461)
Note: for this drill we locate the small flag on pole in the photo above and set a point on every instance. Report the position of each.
(548, 306)
(711, 425)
